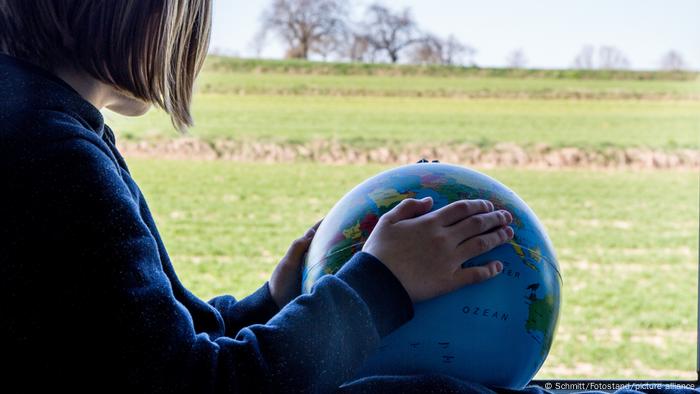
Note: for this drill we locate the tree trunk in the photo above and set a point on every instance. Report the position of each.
(304, 50)
(394, 55)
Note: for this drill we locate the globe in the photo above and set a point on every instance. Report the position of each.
(498, 332)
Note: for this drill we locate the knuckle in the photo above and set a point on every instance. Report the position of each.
(502, 236)
(479, 223)
(441, 238)
(470, 207)
(482, 244)
(401, 205)
(393, 212)
(482, 274)
(464, 206)
(457, 208)
(472, 275)
(484, 205)
(430, 220)
(387, 219)
(501, 218)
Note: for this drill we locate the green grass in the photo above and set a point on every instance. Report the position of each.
(375, 121)
(627, 244)
(453, 86)
(627, 241)
(228, 64)
(294, 102)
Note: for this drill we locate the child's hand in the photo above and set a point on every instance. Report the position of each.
(285, 283)
(425, 250)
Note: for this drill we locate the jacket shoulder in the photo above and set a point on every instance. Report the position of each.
(28, 135)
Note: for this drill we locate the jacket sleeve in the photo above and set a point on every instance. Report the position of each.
(131, 321)
(256, 308)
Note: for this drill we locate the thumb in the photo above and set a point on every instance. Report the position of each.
(297, 249)
(312, 231)
(409, 208)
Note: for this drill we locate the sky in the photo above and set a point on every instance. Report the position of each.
(549, 32)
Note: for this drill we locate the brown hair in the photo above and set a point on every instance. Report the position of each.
(150, 49)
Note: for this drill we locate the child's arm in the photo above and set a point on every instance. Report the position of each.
(265, 302)
(127, 327)
(256, 308)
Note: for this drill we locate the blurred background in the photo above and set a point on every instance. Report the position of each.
(589, 110)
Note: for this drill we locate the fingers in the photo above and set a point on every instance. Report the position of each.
(479, 224)
(483, 243)
(295, 253)
(460, 210)
(408, 208)
(312, 231)
(472, 275)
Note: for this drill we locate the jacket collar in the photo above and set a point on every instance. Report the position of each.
(24, 84)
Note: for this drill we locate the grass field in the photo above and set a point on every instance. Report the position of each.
(302, 67)
(627, 240)
(627, 252)
(222, 82)
(371, 110)
(371, 121)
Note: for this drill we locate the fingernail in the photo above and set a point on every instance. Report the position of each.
(509, 232)
(509, 217)
(499, 266)
(490, 204)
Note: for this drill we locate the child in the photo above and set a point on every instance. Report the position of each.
(90, 300)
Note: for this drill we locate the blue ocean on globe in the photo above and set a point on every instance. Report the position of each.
(496, 333)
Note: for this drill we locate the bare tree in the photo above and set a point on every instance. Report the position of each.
(327, 45)
(457, 52)
(305, 25)
(427, 50)
(389, 31)
(611, 58)
(584, 59)
(432, 49)
(257, 43)
(516, 59)
(358, 48)
(672, 61)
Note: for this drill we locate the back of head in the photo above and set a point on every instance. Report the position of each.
(149, 49)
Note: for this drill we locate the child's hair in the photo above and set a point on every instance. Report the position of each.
(150, 49)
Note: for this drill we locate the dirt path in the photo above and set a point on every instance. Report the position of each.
(333, 152)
